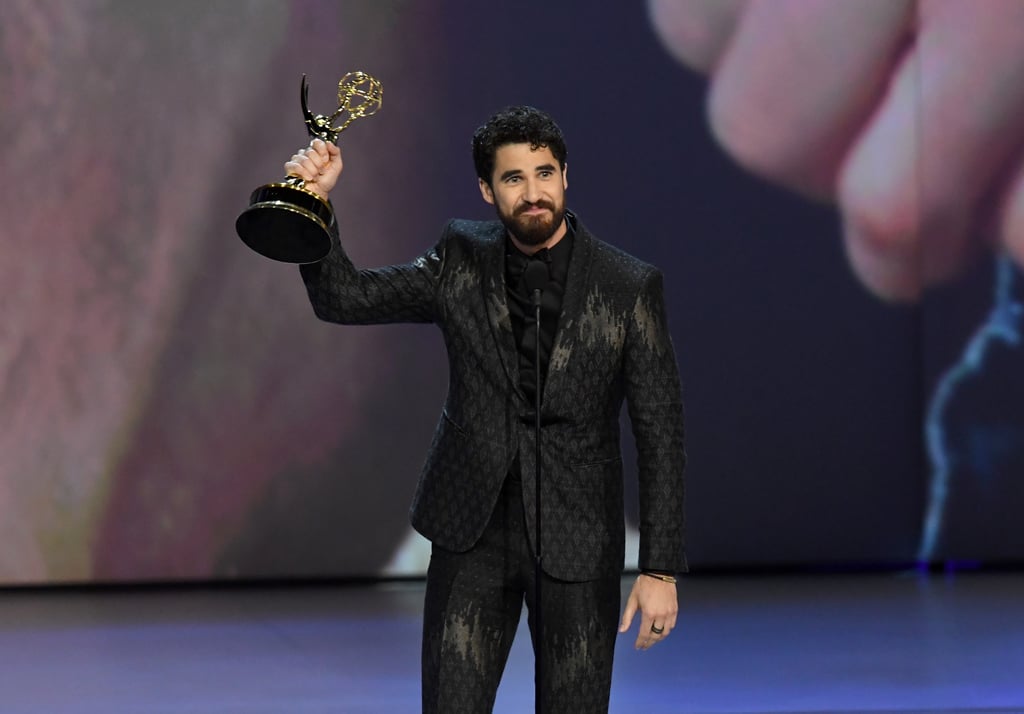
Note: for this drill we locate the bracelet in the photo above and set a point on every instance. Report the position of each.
(660, 576)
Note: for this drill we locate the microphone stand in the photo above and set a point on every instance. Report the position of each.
(536, 278)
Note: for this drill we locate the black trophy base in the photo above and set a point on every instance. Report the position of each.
(287, 223)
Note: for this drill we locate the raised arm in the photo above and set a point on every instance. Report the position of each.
(338, 291)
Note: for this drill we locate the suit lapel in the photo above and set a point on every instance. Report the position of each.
(496, 299)
(572, 307)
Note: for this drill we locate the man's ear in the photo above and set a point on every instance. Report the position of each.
(565, 177)
(486, 192)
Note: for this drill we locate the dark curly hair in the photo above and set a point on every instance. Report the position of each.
(515, 125)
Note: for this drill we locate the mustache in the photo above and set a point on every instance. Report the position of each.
(542, 203)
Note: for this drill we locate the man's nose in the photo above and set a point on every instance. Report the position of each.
(533, 191)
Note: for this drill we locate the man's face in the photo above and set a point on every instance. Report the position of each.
(528, 190)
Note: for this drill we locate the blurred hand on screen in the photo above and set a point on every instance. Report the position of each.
(908, 114)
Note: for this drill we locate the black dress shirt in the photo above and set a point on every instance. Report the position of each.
(521, 310)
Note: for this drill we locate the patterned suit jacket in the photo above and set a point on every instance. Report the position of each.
(611, 343)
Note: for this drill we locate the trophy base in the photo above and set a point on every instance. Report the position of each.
(286, 223)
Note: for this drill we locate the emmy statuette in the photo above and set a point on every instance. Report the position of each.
(286, 221)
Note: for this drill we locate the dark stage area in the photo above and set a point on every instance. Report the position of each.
(840, 643)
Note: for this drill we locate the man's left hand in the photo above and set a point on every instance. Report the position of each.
(658, 604)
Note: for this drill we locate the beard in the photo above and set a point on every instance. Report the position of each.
(533, 230)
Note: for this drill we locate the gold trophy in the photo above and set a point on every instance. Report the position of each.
(286, 221)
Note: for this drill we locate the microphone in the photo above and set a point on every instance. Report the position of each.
(537, 274)
(535, 278)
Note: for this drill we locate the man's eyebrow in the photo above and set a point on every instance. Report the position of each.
(517, 172)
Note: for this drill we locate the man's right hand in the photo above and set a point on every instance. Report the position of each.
(319, 165)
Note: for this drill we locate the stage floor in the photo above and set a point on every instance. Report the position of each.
(904, 642)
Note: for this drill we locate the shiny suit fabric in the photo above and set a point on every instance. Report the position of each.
(612, 343)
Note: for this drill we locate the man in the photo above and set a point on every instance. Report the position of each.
(603, 338)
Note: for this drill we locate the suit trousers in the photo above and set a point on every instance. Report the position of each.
(473, 604)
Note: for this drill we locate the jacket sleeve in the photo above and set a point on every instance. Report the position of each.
(654, 400)
(342, 293)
